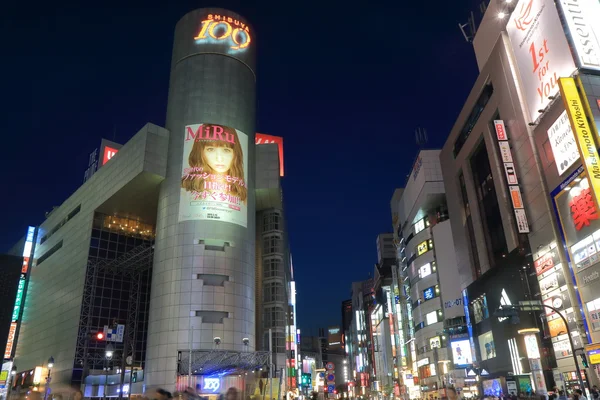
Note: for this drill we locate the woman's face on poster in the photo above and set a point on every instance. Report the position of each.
(218, 158)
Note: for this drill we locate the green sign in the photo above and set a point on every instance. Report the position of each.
(19, 299)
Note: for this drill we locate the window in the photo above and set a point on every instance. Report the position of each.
(594, 311)
(274, 291)
(47, 254)
(272, 244)
(73, 213)
(273, 317)
(432, 317)
(478, 108)
(480, 309)
(273, 268)
(271, 221)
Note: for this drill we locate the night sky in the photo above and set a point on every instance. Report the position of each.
(345, 86)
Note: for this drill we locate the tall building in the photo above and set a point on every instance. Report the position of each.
(203, 225)
(519, 173)
(428, 272)
(170, 265)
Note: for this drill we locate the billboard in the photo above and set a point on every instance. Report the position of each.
(10, 341)
(261, 138)
(541, 51)
(582, 18)
(562, 142)
(214, 174)
(461, 352)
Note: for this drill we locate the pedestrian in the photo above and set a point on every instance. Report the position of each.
(595, 393)
(580, 394)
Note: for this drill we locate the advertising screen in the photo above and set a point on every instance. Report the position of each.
(461, 352)
(214, 176)
(487, 346)
(541, 51)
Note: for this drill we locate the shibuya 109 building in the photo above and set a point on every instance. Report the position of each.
(169, 267)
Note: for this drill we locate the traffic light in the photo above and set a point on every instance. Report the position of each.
(99, 336)
(584, 361)
(134, 377)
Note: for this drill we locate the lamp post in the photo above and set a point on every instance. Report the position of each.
(50, 366)
(108, 354)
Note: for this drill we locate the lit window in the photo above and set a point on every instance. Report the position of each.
(594, 310)
(429, 293)
(425, 270)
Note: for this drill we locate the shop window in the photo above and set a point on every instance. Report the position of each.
(487, 346)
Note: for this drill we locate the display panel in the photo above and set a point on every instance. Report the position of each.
(562, 142)
(487, 346)
(214, 180)
(461, 352)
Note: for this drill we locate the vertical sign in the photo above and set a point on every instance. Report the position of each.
(10, 341)
(511, 177)
(583, 134)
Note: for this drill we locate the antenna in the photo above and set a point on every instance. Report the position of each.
(421, 137)
(482, 7)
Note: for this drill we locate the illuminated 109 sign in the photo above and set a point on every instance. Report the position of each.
(218, 28)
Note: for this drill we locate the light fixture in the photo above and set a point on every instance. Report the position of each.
(501, 14)
(528, 330)
(51, 362)
(109, 351)
(13, 370)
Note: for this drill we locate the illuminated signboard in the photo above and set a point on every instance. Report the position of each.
(109, 153)
(27, 249)
(429, 293)
(19, 299)
(211, 385)
(461, 352)
(563, 144)
(422, 247)
(261, 138)
(10, 341)
(541, 51)
(222, 29)
(582, 20)
(214, 174)
(583, 133)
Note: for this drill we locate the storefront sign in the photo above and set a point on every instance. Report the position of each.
(10, 341)
(500, 130)
(521, 219)
(546, 262)
(556, 327)
(511, 176)
(582, 18)
(211, 385)
(541, 51)
(505, 153)
(593, 352)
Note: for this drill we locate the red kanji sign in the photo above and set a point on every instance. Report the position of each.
(583, 209)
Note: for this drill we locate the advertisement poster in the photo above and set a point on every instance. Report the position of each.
(541, 51)
(461, 352)
(214, 174)
(562, 142)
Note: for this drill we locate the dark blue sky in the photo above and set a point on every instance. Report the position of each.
(345, 86)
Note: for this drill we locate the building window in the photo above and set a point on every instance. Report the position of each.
(274, 291)
(273, 268)
(469, 225)
(478, 108)
(594, 311)
(433, 317)
(272, 244)
(272, 221)
(480, 309)
(274, 317)
(488, 205)
(47, 254)
(73, 213)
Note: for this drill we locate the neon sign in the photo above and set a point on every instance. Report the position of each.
(19, 299)
(211, 384)
(219, 28)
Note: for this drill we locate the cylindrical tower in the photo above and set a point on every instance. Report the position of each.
(204, 268)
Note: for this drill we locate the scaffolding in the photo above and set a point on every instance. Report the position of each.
(132, 265)
(220, 362)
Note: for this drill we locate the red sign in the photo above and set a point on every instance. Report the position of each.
(544, 263)
(329, 366)
(500, 129)
(10, 341)
(583, 210)
(109, 153)
(261, 138)
(25, 266)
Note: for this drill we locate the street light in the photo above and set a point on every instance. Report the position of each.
(108, 353)
(49, 365)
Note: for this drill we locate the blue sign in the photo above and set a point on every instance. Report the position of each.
(429, 293)
(211, 384)
(321, 374)
(330, 388)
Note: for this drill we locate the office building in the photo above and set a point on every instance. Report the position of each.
(428, 279)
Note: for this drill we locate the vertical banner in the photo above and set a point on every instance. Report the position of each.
(214, 180)
(583, 134)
